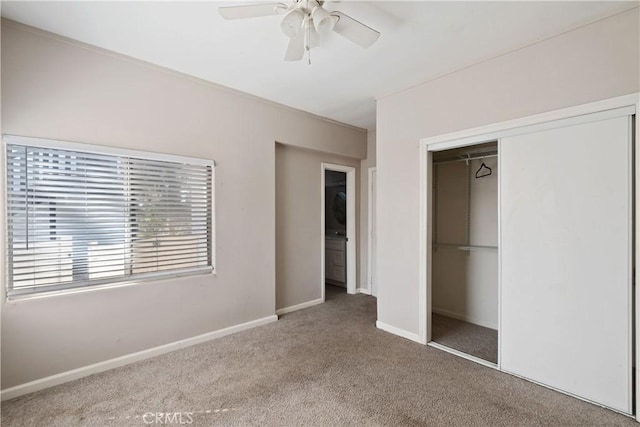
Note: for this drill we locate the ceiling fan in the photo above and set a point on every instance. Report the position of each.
(303, 22)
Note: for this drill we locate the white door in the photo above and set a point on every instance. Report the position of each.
(372, 232)
(566, 259)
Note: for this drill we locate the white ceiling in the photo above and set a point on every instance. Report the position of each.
(420, 40)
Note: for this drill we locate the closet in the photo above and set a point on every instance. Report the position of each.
(465, 250)
(530, 247)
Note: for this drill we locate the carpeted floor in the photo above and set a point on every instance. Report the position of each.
(324, 366)
(465, 337)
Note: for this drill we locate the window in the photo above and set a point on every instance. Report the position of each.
(81, 215)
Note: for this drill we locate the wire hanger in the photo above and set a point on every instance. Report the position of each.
(483, 171)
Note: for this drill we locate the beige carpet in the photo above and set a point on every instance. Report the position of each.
(466, 337)
(324, 366)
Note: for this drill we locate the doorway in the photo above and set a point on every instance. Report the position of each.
(338, 211)
(464, 271)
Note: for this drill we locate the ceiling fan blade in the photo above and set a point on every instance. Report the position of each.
(252, 10)
(354, 30)
(295, 50)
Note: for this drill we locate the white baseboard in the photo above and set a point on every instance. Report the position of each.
(464, 318)
(363, 291)
(297, 307)
(106, 365)
(400, 332)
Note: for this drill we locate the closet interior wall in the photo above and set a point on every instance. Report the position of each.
(465, 235)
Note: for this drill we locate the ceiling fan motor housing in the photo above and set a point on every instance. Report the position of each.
(305, 14)
(302, 23)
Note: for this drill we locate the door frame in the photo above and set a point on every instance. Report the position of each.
(351, 224)
(495, 132)
(371, 194)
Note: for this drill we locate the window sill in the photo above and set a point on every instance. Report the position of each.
(15, 299)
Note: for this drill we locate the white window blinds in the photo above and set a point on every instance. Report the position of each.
(81, 218)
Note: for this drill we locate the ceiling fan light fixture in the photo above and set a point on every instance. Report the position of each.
(322, 20)
(292, 23)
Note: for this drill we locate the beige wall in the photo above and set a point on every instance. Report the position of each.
(298, 220)
(591, 63)
(298, 223)
(58, 89)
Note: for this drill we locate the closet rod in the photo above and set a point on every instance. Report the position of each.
(476, 248)
(464, 159)
(467, 247)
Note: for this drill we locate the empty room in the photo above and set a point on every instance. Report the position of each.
(319, 213)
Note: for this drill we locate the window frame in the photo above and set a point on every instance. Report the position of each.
(105, 283)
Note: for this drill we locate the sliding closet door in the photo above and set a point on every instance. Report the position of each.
(566, 259)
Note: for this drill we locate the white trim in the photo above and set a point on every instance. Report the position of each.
(3, 232)
(637, 257)
(322, 233)
(363, 291)
(464, 317)
(351, 231)
(463, 355)
(499, 207)
(424, 254)
(300, 306)
(351, 223)
(630, 260)
(106, 365)
(370, 230)
(399, 332)
(102, 149)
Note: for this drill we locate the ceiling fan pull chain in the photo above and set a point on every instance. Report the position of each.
(308, 36)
